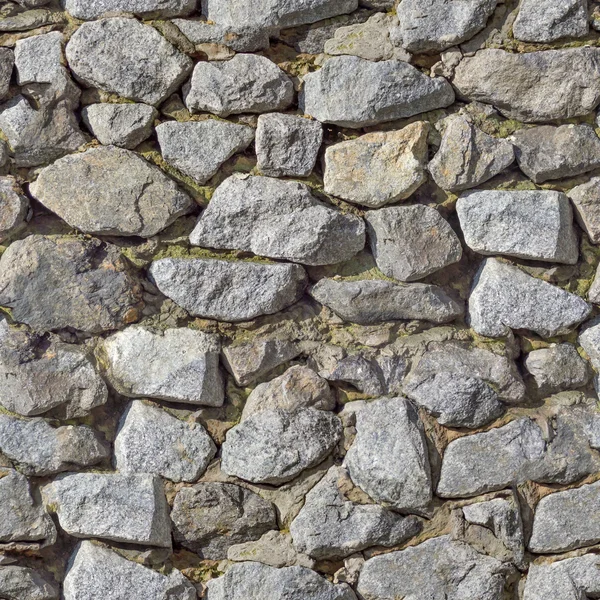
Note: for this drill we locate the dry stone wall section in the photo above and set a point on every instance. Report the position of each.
(299, 299)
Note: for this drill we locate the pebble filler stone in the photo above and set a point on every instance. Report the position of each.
(298, 299)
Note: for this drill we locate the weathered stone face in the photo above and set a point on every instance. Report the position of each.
(94, 9)
(549, 21)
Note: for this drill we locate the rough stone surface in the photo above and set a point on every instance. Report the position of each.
(177, 365)
(245, 84)
(437, 568)
(289, 583)
(125, 57)
(198, 149)
(388, 459)
(330, 526)
(504, 298)
(274, 446)
(543, 85)
(23, 518)
(287, 145)
(532, 224)
(548, 21)
(589, 340)
(468, 157)
(117, 192)
(209, 518)
(373, 301)
(350, 92)
(17, 583)
(123, 125)
(566, 520)
(150, 440)
(38, 58)
(273, 548)
(229, 291)
(557, 368)
(274, 13)
(277, 219)
(378, 168)
(586, 202)
(238, 38)
(96, 573)
(39, 449)
(299, 387)
(74, 270)
(7, 61)
(14, 207)
(93, 9)
(121, 508)
(411, 242)
(438, 25)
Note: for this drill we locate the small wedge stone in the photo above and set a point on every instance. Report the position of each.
(14, 207)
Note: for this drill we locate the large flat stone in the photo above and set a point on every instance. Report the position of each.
(353, 92)
(543, 85)
(533, 224)
(74, 270)
(225, 290)
(125, 57)
(505, 297)
(93, 9)
(177, 365)
(551, 20)
(117, 192)
(277, 219)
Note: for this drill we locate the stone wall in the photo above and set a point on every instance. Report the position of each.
(298, 300)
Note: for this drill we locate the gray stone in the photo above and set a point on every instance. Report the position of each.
(543, 85)
(198, 149)
(589, 340)
(14, 207)
(38, 449)
(123, 125)
(512, 454)
(7, 61)
(287, 145)
(209, 518)
(502, 517)
(97, 573)
(551, 20)
(273, 548)
(250, 361)
(38, 375)
(388, 459)
(331, 526)
(570, 579)
(353, 92)
(586, 202)
(22, 518)
(464, 387)
(239, 39)
(533, 224)
(277, 219)
(247, 83)
(557, 368)
(594, 291)
(274, 13)
(467, 157)
(289, 583)
(75, 270)
(125, 57)
(274, 446)
(372, 40)
(177, 365)
(365, 375)
(150, 440)
(121, 508)
(438, 568)
(31, 3)
(566, 520)
(22, 583)
(378, 168)
(117, 193)
(506, 297)
(93, 9)
(299, 387)
(411, 242)
(547, 152)
(371, 301)
(27, 20)
(38, 58)
(227, 291)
